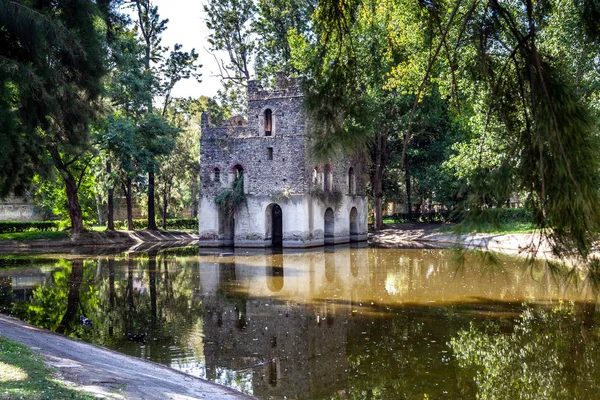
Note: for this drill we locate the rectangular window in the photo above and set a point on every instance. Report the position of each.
(269, 153)
(268, 122)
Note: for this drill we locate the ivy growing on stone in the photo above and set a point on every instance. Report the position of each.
(232, 199)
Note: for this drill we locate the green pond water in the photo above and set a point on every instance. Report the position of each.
(333, 323)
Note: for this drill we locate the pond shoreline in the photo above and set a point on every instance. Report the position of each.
(423, 235)
(109, 374)
(404, 235)
(90, 241)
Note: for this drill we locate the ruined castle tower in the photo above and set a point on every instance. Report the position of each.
(290, 201)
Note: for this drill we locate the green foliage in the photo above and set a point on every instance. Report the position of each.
(430, 217)
(228, 21)
(34, 235)
(179, 65)
(24, 226)
(50, 196)
(528, 363)
(275, 19)
(172, 223)
(520, 77)
(52, 296)
(231, 200)
(53, 64)
(186, 110)
(51, 69)
(129, 86)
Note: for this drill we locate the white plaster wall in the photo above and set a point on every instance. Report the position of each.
(251, 223)
(208, 219)
(302, 221)
(341, 218)
(19, 212)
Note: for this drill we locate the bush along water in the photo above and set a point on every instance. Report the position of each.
(172, 223)
(28, 226)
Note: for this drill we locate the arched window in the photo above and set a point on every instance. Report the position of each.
(351, 182)
(217, 175)
(236, 178)
(268, 122)
(238, 171)
(315, 177)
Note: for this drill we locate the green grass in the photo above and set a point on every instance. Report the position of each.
(23, 375)
(506, 228)
(33, 235)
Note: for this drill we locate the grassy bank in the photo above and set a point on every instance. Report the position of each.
(29, 235)
(500, 229)
(23, 375)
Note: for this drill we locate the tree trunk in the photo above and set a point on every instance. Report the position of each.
(128, 200)
(112, 294)
(73, 205)
(110, 201)
(99, 210)
(164, 211)
(194, 198)
(152, 281)
(408, 195)
(151, 212)
(380, 148)
(72, 297)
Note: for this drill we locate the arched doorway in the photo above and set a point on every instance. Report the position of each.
(354, 225)
(329, 226)
(226, 221)
(274, 225)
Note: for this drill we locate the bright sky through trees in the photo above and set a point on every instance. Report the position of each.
(187, 27)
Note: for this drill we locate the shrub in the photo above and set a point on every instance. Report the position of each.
(172, 223)
(28, 226)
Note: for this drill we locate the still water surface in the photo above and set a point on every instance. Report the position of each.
(343, 323)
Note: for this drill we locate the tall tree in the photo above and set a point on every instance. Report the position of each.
(500, 59)
(275, 19)
(231, 31)
(162, 75)
(150, 27)
(52, 65)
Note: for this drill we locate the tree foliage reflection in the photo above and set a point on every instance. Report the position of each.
(548, 355)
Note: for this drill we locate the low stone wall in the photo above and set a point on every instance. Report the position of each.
(18, 209)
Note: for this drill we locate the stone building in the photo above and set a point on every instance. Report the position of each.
(290, 200)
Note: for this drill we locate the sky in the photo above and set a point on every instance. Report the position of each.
(187, 27)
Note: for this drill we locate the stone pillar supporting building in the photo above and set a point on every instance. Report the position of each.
(290, 200)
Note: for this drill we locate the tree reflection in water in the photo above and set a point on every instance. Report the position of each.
(548, 355)
(327, 324)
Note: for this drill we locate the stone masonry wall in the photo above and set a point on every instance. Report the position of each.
(247, 146)
(278, 169)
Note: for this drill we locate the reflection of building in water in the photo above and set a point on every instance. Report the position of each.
(23, 281)
(293, 348)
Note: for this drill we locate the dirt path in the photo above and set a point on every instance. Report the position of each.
(111, 374)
